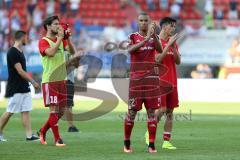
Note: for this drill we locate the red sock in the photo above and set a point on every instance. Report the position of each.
(128, 126)
(53, 122)
(166, 136)
(46, 126)
(152, 129)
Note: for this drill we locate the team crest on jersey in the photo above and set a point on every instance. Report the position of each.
(170, 53)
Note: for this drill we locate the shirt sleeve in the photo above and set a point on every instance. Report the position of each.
(43, 45)
(14, 58)
(131, 39)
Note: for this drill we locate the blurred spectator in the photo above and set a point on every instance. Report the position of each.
(127, 28)
(4, 22)
(209, 20)
(179, 2)
(208, 16)
(175, 11)
(219, 13)
(15, 22)
(63, 6)
(74, 5)
(50, 7)
(31, 6)
(151, 5)
(33, 34)
(77, 25)
(3, 41)
(32, 47)
(109, 33)
(163, 4)
(208, 6)
(37, 20)
(8, 4)
(233, 13)
(202, 71)
(83, 40)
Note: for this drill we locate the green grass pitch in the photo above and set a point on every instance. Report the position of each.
(202, 131)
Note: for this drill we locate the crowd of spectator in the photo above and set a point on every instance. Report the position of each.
(91, 37)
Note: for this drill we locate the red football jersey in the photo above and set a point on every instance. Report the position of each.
(143, 59)
(169, 62)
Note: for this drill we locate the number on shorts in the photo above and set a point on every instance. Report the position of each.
(53, 99)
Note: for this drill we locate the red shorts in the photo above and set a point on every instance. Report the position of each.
(170, 100)
(145, 91)
(149, 103)
(55, 94)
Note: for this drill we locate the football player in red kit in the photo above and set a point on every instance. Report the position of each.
(170, 59)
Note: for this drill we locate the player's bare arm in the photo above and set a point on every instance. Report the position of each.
(176, 54)
(159, 57)
(135, 47)
(25, 75)
(71, 49)
(51, 51)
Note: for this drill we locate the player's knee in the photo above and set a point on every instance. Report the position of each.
(169, 114)
(151, 113)
(131, 115)
(162, 111)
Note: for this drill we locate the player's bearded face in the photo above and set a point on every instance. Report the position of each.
(54, 27)
(143, 22)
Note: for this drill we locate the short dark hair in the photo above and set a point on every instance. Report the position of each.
(48, 21)
(19, 34)
(167, 20)
(143, 14)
